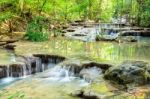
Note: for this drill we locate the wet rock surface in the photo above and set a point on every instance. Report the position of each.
(76, 67)
(129, 72)
(50, 58)
(27, 65)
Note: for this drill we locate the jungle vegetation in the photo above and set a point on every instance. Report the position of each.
(58, 12)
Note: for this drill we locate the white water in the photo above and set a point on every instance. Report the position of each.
(7, 71)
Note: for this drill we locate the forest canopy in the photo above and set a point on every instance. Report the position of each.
(137, 12)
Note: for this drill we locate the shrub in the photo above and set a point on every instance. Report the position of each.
(37, 30)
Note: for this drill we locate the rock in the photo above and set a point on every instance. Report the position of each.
(79, 21)
(50, 58)
(4, 38)
(64, 27)
(135, 33)
(3, 71)
(129, 72)
(63, 31)
(122, 39)
(2, 43)
(83, 95)
(70, 30)
(10, 46)
(79, 35)
(11, 40)
(17, 70)
(74, 24)
(76, 67)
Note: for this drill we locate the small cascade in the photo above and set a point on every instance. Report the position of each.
(38, 65)
(90, 74)
(59, 74)
(43, 67)
(12, 58)
(29, 65)
(24, 70)
(7, 71)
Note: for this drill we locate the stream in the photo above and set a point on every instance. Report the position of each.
(51, 78)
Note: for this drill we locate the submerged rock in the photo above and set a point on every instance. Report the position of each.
(130, 72)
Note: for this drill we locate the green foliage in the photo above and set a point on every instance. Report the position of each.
(145, 19)
(37, 30)
(136, 11)
(5, 16)
(145, 13)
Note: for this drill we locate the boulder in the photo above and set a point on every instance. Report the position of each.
(129, 72)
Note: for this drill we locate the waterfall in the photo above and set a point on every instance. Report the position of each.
(8, 70)
(66, 76)
(24, 70)
(43, 67)
(38, 65)
(13, 58)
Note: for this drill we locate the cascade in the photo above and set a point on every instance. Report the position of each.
(7, 71)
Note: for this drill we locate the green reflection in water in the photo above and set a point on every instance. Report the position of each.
(98, 51)
(5, 56)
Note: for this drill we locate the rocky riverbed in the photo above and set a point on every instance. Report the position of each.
(90, 70)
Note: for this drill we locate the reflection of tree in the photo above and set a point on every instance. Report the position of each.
(147, 95)
(99, 51)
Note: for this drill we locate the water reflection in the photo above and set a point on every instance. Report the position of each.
(6, 56)
(99, 51)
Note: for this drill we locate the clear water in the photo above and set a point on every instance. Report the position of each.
(6, 56)
(59, 83)
(97, 51)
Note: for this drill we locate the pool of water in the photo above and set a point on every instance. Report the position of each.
(55, 86)
(97, 51)
(6, 56)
